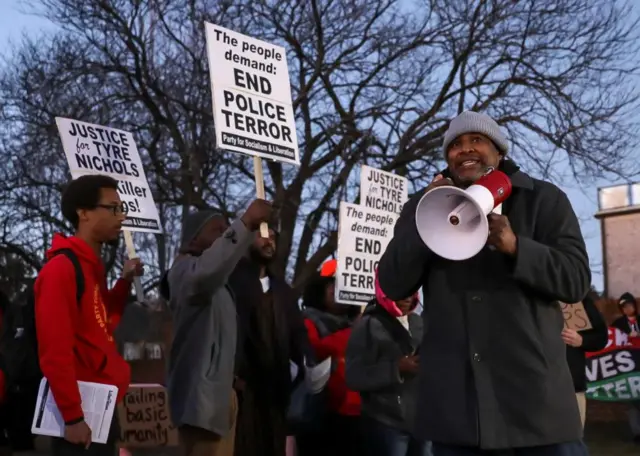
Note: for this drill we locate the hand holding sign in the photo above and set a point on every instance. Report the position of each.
(571, 337)
(258, 213)
(132, 268)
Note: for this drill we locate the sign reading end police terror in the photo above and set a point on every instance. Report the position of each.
(252, 108)
(363, 237)
(94, 149)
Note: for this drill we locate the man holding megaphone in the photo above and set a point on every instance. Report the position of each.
(493, 250)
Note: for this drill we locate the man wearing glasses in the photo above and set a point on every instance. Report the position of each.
(75, 311)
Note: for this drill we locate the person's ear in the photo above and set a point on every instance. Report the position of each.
(83, 215)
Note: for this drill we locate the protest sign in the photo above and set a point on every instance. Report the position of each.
(144, 418)
(363, 236)
(94, 149)
(575, 317)
(613, 374)
(252, 108)
(383, 190)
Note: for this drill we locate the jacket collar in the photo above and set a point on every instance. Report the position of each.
(521, 180)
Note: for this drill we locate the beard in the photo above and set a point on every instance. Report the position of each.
(261, 258)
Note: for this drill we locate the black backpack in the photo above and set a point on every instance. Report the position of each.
(18, 340)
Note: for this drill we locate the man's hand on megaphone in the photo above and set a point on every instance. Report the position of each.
(439, 181)
(501, 236)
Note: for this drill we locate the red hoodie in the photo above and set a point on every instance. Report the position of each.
(341, 400)
(75, 341)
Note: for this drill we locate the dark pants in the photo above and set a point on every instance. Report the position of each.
(339, 435)
(383, 440)
(60, 447)
(577, 448)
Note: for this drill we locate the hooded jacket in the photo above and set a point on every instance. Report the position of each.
(328, 335)
(201, 363)
(623, 323)
(377, 343)
(75, 341)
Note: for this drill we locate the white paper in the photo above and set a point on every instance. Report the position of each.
(98, 406)
(317, 376)
(293, 369)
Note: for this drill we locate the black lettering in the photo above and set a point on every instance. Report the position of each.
(251, 125)
(368, 246)
(101, 134)
(238, 120)
(228, 97)
(286, 133)
(116, 152)
(113, 137)
(262, 127)
(227, 117)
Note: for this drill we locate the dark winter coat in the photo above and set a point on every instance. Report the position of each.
(377, 343)
(493, 369)
(292, 342)
(593, 339)
(622, 323)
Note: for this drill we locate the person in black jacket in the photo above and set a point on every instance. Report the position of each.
(493, 370)
(381, 364)
(578, 343)
(629, 323)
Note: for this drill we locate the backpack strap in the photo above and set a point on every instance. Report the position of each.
(71, 255)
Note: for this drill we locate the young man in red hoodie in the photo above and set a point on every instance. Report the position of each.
(75, 340)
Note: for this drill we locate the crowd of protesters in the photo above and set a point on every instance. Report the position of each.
(485, 368)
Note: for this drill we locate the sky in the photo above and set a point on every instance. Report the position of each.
(13, 23)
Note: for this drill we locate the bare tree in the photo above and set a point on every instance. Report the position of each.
(374, 81)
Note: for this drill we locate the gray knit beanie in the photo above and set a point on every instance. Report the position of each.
(194, 223)
(475, 122)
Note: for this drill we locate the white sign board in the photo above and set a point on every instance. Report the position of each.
(383, 190)
(363, 236)
(252, 108)
(94, 149)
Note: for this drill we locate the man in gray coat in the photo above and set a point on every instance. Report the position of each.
(493, 374)
(201, 365)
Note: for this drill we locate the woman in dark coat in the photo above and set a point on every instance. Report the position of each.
(629, 323)
(578, 344)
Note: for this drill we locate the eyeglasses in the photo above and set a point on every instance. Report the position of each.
(117, 209)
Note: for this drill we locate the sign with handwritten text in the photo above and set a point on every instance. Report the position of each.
(94, 149)
(575, 317)
(144, 418)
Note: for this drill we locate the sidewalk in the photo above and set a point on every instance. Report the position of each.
(605, 439)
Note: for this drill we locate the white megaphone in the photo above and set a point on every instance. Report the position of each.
(453, 223)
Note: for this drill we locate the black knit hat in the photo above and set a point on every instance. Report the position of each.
(627, 298)
(194, 223)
